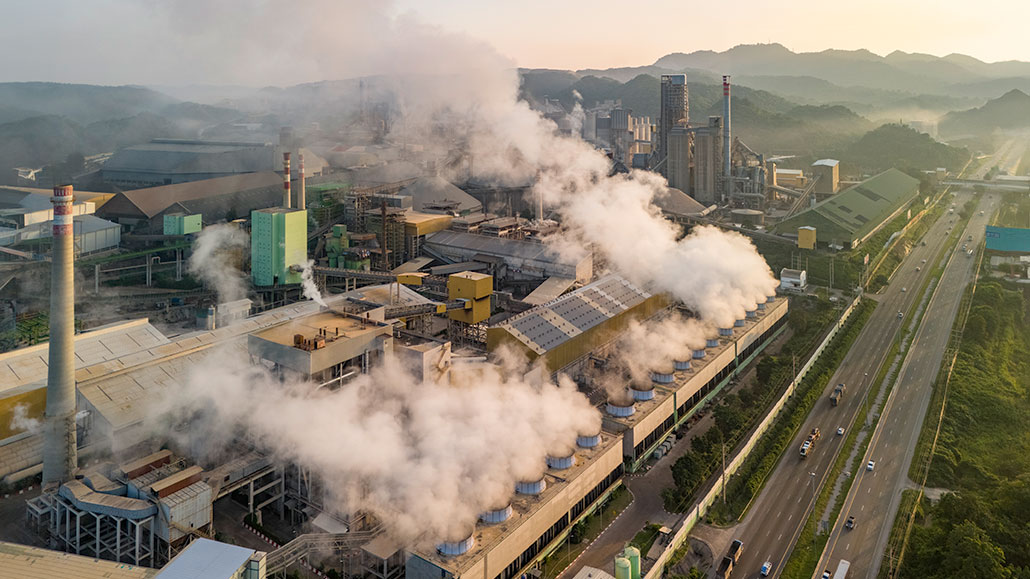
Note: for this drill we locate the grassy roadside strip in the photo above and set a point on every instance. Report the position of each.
(752, 474)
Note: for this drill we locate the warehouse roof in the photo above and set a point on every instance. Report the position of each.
(169, 156)
(19, 561)
(207, 559)
(36, 199)
(549, 325)
(496, 246)
(826, 163)
(436, 189)
(853, 214)
(677, 202)
(241, 192)
(29, 365)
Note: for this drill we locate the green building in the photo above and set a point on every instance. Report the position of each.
(182, 224)
(857, 213)
(278, 240)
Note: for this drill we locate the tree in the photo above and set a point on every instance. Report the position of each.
(728, 419)
(971, 554)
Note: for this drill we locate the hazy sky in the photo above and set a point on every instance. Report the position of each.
(280, 42)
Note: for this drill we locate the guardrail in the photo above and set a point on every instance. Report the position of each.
(691, 519)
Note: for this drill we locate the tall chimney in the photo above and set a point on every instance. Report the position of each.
(286, 179)
(59, 452)
(301, 191)
(727, 145)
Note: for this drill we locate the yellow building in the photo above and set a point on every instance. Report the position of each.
(806, 237)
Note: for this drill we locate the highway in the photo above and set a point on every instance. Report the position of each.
(773, 524)
(876, 494)
(776, 518)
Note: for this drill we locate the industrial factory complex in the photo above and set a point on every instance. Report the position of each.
(399, 263)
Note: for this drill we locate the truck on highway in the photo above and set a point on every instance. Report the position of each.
(809, 443)
(736, 548)
(843, 570)
(725, 568)
(837, 394)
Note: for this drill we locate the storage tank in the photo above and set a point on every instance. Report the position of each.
(633, 554)
(750, 217)
(561, 462)
(681, 365)
(494, 516)
(623, 568)
(642, 392)
(532, 487)
(456, 547)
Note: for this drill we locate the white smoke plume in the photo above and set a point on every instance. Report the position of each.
(425, 458)
(215, 252)
(307, 280)
(20, 420)
(655, 344)
(578, 116)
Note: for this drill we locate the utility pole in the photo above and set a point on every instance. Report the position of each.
(724, 473)
(794, 373)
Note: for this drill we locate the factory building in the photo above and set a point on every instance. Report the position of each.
(568, 328)
(543, 512)
(140, 512)
(520, 260)
(828, 173)
(854, 215)
(708, 162)
(674, 112)
(278, 241)
(173, 161)
(437, 195)
(677, 158)
(26, 216)
(225, 198)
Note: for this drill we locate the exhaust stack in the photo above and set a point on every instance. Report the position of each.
(59, 452)
(286, 180)
(727, 144)
(301, 190)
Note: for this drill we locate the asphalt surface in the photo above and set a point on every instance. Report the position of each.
(775, 520)
(876, 494)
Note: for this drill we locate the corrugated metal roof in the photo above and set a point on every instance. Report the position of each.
(437, 189)
(29, 365)
(168, 156)
(551, 288)
(496, 246)
(677, 202)
(21, 561)
(242, 189)
(207, 559)
(854, 212)
(547, 326)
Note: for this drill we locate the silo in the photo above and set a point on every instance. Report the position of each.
(623, 568)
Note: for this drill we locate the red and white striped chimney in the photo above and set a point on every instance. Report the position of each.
(286, 180)
(59, 451)
(301, 192)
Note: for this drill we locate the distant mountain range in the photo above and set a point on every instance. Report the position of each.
(1009, 111)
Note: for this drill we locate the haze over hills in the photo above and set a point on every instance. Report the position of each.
(1009, 111)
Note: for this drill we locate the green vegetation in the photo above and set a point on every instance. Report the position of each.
(1015, 210)
(645, 538)
(738, 412)
(1009, 111)
(585, 531)
(895, 145)
(983, 453)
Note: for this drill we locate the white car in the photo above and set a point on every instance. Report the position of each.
(840, 431)
(904, 289)
(870, 465)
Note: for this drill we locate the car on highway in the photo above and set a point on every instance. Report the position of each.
(766, 568)
(903, 290)
(840, 431)
(870, 465)
(900, 315)
(825, 575)
(850, 524)
(918, 268)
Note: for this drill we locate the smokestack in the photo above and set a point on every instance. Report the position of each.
(727, 145)
(301, 191)
(286, 180)
(59, 452)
